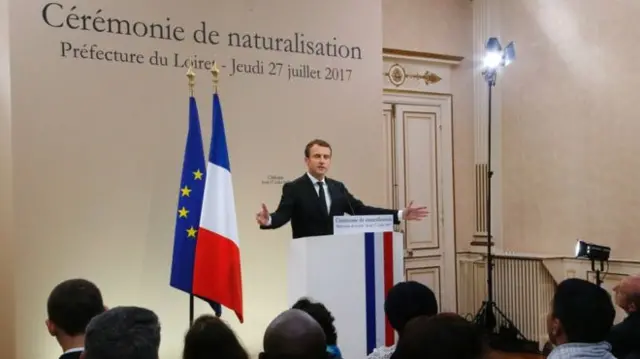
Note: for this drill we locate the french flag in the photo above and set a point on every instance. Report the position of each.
(217, 272)
(381, 273)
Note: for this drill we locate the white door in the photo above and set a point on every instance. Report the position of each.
(418, 139)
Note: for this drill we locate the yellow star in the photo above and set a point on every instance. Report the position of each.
(182, 213)
(197, 175)
(185, 191)
(191, 232)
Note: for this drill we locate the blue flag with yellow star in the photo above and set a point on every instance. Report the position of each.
(189, 207)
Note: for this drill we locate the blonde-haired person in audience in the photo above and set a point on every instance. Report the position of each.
(209, 337)
(405, 301)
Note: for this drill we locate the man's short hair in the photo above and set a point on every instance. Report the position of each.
(584, 310)
(72, 304)
(294, 334)
(407, 300)
(319, 142)
(444, 335)
(123, 333)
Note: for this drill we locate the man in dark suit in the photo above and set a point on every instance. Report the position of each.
(625, 336)
(70, 307)
(312, 200)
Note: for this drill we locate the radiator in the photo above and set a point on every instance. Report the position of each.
(523, 290)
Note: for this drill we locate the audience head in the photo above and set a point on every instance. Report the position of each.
(294, 334)
(322, 315)
(210, 337)
(581, 312)
(627, 294)
(407, 300)
(123, 333)
(70, 307)
(442, 336)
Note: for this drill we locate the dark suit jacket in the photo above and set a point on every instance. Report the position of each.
(300, 204)
(625, 337)
(71, 355)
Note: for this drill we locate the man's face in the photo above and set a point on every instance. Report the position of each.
(554, 330)
(621, 298)
(319, 160)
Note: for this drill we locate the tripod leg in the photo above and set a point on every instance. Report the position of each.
(479, 317)
(485, 316)
(507, 320)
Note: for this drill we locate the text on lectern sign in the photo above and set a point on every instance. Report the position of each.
(362, 224)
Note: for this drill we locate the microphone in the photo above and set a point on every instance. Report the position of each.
(346, 196)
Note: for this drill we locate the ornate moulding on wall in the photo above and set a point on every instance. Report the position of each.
(417, 71)
(397, 76)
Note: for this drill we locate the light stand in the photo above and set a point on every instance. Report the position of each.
(508, 337)
(597, 271)
(594, 253)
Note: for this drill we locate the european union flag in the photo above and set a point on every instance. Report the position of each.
(189, 207)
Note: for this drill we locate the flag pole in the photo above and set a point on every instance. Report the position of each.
(215, 72)
(191, 76)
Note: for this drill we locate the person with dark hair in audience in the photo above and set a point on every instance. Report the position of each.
(442, 336)
(70, 307)
(323, 316)
(209, 337)
(123, 333)
(405, 301)
(581, 317)
(625, 336)
(294, 334)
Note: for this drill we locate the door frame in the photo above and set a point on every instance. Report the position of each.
(445, 180)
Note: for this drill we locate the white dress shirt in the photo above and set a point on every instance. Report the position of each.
(316, 186)
(72, 350)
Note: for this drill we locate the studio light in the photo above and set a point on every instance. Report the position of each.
(594, 253)
(509, 54)
(493, 55)
(496, 57)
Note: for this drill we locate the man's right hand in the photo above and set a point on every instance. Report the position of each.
(262, 217)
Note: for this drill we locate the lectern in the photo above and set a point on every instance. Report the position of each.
(350, 272)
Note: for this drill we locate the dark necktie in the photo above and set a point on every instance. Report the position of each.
(323, 200)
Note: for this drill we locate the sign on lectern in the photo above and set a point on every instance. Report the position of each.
(350, 272)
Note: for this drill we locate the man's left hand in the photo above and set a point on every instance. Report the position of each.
(414, 213)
